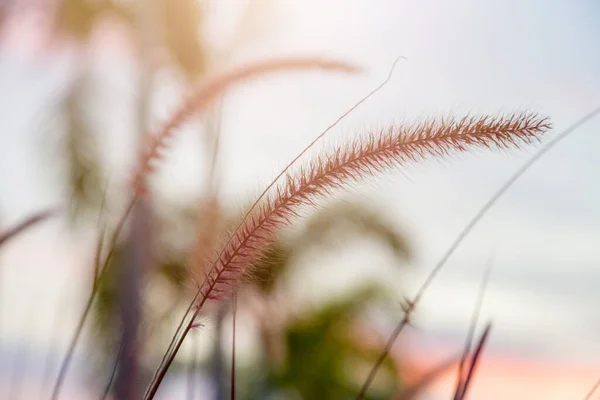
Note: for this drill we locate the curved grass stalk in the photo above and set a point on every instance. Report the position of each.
(461, 236)
(363, 157)
(262, 195)
(212, 90)
(158, 142)
(311, 144)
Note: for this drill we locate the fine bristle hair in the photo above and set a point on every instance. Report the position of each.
(363, 157)
(210, 91)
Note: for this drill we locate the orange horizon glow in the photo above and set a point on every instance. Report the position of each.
(501, 377)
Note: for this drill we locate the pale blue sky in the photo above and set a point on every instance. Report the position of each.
(463, 56)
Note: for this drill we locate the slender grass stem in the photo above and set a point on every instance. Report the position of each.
(113, 373)
(175, 338)
(88, 305)
(233, 317)
(474, 362)
(463, 234)
(460, 383)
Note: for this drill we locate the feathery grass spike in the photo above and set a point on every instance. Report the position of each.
(361, 158)
(211, 90)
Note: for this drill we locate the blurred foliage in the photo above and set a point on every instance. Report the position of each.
(77, 18)
(181, 20)
(316, 349)
(178, 21)
(338, 222)
(330, 229)
(106, 320)
(325, 360)
(82, 154)
(318, 356)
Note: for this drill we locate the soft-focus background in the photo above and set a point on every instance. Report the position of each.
(70, 74)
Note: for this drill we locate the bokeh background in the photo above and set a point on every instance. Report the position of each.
(73, 74)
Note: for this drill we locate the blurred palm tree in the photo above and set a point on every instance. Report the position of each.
(177, 27)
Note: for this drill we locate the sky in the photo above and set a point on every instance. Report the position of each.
(461, 56)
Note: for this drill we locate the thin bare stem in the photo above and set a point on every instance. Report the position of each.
(469, 227)
(102, 229)
(264, 193)
(233, 320)
(88, 306)
(319, 137)
(381, 359)
(26, 224)
(310, 145)
(173, 343)
(71, 349)
(161, 372)
(208, 220)
(475, 361)
(592, 390)
(112, 373)
(97, 256)
(460, 384)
